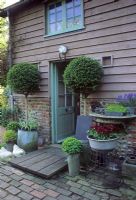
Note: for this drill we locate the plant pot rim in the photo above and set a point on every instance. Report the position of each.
(110, 139)
(21, 129)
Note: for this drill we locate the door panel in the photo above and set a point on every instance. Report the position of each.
(63, 109)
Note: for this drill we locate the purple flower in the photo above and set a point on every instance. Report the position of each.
(127, 99)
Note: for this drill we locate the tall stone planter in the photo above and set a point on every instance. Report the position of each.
(73, 164)
(27, 140)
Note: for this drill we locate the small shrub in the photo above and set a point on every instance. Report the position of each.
(71, 145)
(13, 125)
(83, 74)
(10, 136)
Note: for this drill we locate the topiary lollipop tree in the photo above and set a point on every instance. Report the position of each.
(83, 75)
(23, 78)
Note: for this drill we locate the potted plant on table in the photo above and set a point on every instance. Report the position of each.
(115, 109)
(128, 100)
(24, 79)
(72, 147)
(104, 136)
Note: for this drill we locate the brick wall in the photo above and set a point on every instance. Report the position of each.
(131, 138)
(43, 111)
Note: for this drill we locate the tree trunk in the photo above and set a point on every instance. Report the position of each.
(26, 109)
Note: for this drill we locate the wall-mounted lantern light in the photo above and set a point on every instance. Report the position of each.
(62, 52)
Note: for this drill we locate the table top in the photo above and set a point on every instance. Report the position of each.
(93, 114)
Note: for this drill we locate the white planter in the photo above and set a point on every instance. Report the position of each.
(103, 144)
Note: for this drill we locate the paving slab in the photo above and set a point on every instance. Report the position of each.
(20, 185)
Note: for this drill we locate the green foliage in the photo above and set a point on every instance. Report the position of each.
(3, 100)
(115, 107)
(10, 136)
(29, 124)
(83, 74)
(7, 115)
(72, 145)
(23, 78)
(3, 46)
(2, 145)
(13, 125)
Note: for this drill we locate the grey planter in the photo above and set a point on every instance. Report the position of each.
(114, 113)
(9, 146)
(27, 140)
(131, 110)
(73, 164)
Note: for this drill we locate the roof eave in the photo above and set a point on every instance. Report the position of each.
(14, 7)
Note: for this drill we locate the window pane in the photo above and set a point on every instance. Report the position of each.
(77, 20)
(68, 90)
(77, 11)
(58, 7)
(70, 13)
(59, 16)
(69, 100)
(52, 18)
(69, 3)
(51, 9)
(52, 27)
(61, 101)
(70, 23)
(61, 89)
(77, 2)
(59, 26)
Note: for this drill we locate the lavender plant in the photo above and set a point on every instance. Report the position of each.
(128, 100)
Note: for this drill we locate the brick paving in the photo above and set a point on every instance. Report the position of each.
(17, 185)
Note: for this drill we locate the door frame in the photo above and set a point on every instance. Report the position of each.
(54, 100)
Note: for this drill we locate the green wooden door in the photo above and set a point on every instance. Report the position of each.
(63, 111)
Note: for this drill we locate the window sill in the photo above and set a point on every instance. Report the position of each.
(61, 33)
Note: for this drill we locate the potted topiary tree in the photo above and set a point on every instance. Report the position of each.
(83, 75)
(24, 79)
(72, 147)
